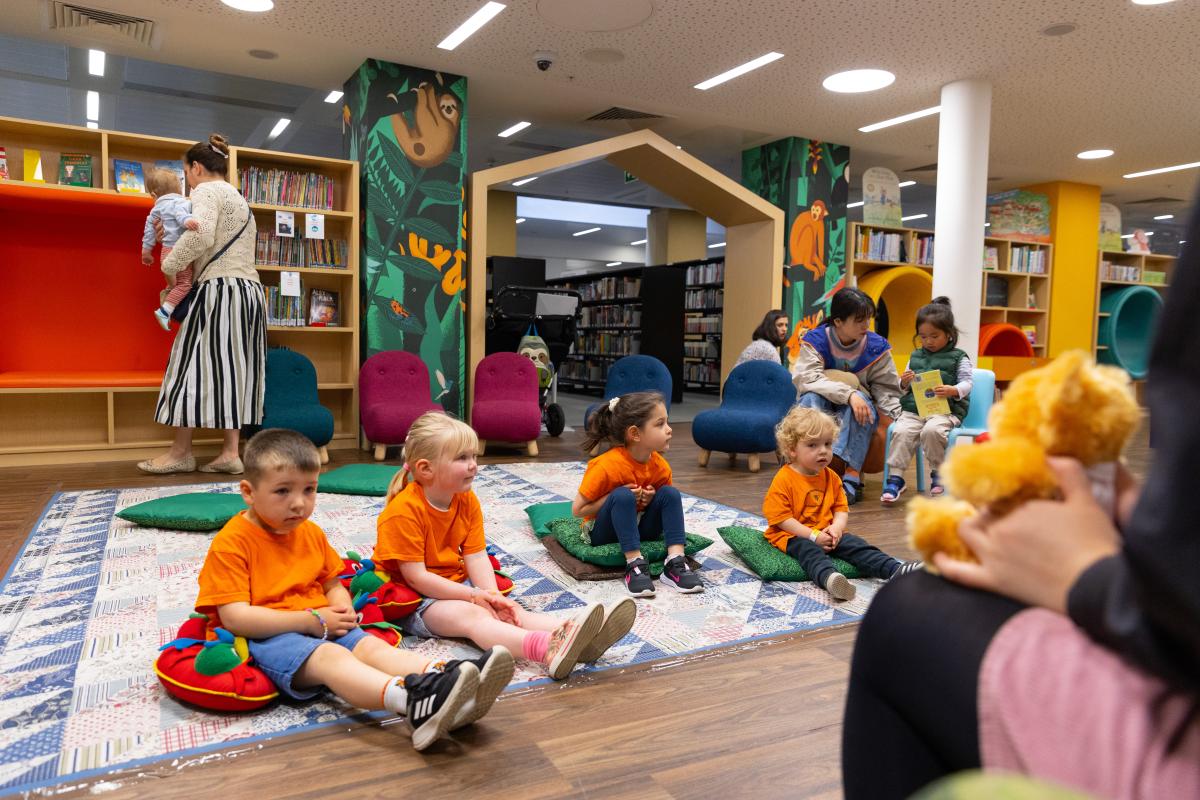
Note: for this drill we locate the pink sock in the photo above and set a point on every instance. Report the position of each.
(534, 647)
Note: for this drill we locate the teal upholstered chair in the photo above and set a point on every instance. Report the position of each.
(291, 399)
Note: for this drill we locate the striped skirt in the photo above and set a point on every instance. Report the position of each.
(217, 370)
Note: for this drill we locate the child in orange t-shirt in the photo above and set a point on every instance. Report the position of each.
(806, 508)
(270, 576)
(626, 495)
(431, 534)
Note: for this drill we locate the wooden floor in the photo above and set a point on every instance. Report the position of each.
(757, 721)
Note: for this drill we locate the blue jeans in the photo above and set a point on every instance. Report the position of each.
(617, 520)
(282, 656)
(853, 439)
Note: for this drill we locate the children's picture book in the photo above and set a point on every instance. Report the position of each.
(929, 404)
(323, 308)
(33, 166)
(314, 226)
(1030, 332)
(285, 223)
(131, 179)
(75, 169)
(177, 168)
(991, 258)
(3, 164)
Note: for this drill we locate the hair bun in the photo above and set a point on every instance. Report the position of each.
(219, 143)
(942, 300)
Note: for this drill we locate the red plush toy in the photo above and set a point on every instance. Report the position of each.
(394, 598)
(215, 674)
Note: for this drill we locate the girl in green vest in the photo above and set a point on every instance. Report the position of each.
(938, 352)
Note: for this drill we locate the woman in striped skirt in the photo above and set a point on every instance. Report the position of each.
(216, 372)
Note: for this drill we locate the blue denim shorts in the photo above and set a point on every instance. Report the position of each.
(413, 625)
(281, 656)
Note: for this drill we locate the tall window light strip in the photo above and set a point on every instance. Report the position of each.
(480, 18)
(96, 63)
(729, 75)
(93, 106)
(716, 244)
(902, 184)
(887, 123)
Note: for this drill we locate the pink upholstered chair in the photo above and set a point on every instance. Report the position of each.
(393, 391)
(506, 401)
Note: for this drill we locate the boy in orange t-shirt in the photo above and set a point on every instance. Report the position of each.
(807, 511)
(270, 576)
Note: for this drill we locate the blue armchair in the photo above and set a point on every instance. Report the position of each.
(756, 396)
(291, 400)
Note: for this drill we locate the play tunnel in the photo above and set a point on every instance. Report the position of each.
(1128, 330)
(1002, 339)
(898, 292)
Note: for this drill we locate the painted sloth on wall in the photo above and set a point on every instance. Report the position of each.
(430, 138)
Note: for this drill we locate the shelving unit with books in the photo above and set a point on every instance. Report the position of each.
(1117, 270)
(1016, 287)
(87, 391)
(704, 304)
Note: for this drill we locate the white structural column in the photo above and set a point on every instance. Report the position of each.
(963, 133)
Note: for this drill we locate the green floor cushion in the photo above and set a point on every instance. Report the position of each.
(568, 533)
(542, 514)
(368, 479)
(583, 571)
(200, 511)
(768, 561)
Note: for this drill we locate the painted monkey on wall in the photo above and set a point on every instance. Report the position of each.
(806, 242)
(430, 138)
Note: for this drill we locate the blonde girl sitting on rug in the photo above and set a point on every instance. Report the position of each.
(626, 494)
(431, 534)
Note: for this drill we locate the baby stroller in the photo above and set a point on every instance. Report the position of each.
(515, 325)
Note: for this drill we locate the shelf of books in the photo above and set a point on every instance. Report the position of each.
(879, 246)
(703, 307)
(82, 385)
(1016, 287)
(1118, 270)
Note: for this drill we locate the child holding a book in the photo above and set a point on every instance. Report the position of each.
(938, 353)
(174, 212)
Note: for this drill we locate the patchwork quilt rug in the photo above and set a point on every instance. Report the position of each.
(90, 599)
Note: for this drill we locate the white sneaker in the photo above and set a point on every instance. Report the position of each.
(164, 320)
(618, 621)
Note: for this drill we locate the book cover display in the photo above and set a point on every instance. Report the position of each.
(177, 168)
(1110, 228)
(928, 403)
(130, 177)
(3, 164)
(75, 169)
(33, 166)
(323, 308)
(1018, 214)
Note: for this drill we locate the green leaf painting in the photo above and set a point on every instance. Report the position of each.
(412, 215)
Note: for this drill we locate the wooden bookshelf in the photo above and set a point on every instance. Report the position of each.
(703, 323)
(82, 385)
(1117, 269)
(1026, 293)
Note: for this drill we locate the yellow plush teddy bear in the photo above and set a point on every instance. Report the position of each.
(1069, 407)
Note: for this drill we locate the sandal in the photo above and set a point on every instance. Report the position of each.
(853, 490)
(935, 486)
(186, 465)
(892, 491)
(233, 466)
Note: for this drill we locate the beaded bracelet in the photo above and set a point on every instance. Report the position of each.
(324, 624)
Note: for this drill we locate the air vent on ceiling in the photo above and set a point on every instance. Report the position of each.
(926, 168)
(1154, 200)
(536, 146)
(66, 16)
(616, 112)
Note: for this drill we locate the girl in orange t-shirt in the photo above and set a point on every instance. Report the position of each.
(431, 534)
(626, 495)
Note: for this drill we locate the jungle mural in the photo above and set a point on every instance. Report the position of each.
(810, 181)
(407, 128)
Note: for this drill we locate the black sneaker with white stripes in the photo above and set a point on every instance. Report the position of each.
(907, 567)
(495, 671)
(434, 699)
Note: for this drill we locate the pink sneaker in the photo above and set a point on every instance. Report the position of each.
(569, 639)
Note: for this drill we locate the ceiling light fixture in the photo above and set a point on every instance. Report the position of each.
(507, 132)
(1127, 236)
(856, 204)
(859, 80)
(463, 32)
(280, 127)
(96, 126)
(987, 224)
(887, 123)
(1161, 170)
(716, 244)
(1151, 2)
(585, 231)
(524, 181)
(639, 241)
(1165, 216)
(250, 5)
(1149, 233)
(333, 96)
(614, 264)
(96, 63)
(902, 184)
(1088, 155)
(729, 75)
(93, 105)
(520, 220)
(913, 216)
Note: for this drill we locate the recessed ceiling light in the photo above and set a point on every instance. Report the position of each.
(987, 224)
(333, 96)
(93, 105)
(902, 184)
(250, 5)
(520, 126)
(1161, 170)
(1165, 216)
(855, 205)
(1127, 236)
(729, 75)
(279, 128)
(96, 126)
(1151, 2)
(859, 80)
(639, 241)
(717, 244)
(1088, 155)
(887, 123)
(524, 181)
(613, 264)
(96, 62)
(480, 18)
(520, 220)
(1149, 233)
(585, 231)
(913, 216)
(265, 55)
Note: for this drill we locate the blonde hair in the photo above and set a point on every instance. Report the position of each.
(279, 448)
(434, 436)
(803, 424)
(162, 181)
